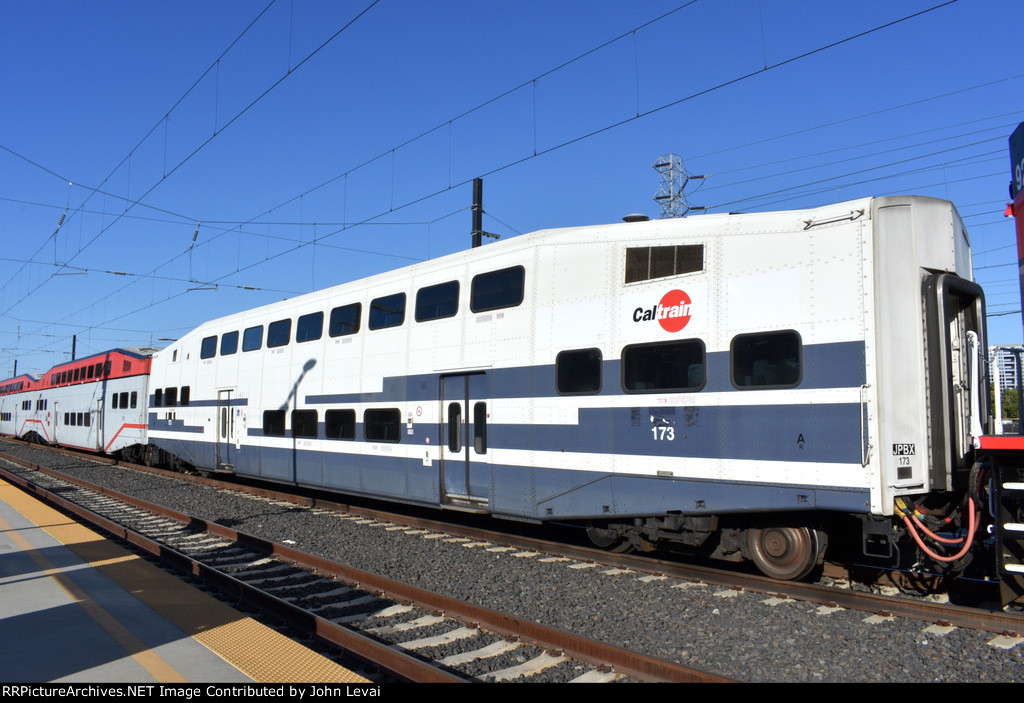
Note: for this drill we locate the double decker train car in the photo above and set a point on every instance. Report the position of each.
(97, 403)
(748, 386)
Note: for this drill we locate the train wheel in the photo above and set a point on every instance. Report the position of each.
(784, 553)
(611, 540)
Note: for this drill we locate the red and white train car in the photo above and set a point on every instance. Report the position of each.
(97, 403)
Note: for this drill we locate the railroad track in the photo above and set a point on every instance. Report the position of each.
(410, 633)
(761, 641)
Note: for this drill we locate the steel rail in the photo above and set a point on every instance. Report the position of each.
(363, 647)
(597, 653)
(961, 616)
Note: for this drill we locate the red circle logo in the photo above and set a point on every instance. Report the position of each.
(674, 311)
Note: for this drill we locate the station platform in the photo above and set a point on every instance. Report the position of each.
(78, 608)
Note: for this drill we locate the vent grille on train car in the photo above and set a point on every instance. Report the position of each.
(647, 263)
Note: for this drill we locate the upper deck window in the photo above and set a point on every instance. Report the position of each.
(436, 302)
(310, 327)
(252, 338)
(388, 311)
(497, 289)
(648, 263)
(279, 333)
(345, 320)
(208, 349)
(228, 343)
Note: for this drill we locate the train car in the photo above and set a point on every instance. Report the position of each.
(97, 403)
(13, 402)
(748, 386)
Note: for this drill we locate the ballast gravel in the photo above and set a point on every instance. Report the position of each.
(741, 635)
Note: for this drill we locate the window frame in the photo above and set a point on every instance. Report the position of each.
(381, 318)
(771, 333)
(247, 338)
(208, 347)
(309, 327)
(275, 334)
(445, 296)
(624, 366)
(563, 355)
(229, 343)
(332, 422)
(496, 301)
(338, 311)
(371, 421)
(308, 421)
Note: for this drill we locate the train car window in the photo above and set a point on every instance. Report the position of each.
(80, 422)
(124, 400)
(135, 398)
(766, 360)
(186, 392)
(340, 424)
(90, 370)
(310, 327)
(455, 427)
(252, 338)
(106, 368)
(66, 419)
(304, 424)
(382, 425)
(158, 395)
(228, 343)
(85, 418)
(170, 397)
(345, 320)
(279, 333)
(273, 423)
(388, 311)
(649, 263)
(497, 289)
(665, 366)
(208, 348)
(75, 376)
(437, 302)
(99, 370)
(480, 428)
(578, 372)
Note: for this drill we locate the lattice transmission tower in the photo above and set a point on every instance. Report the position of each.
(674, 179)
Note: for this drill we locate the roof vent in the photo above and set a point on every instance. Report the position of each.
(635, 217)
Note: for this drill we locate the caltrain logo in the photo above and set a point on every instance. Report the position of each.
(672, 312)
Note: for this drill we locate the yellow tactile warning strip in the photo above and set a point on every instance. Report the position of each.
(256, 650)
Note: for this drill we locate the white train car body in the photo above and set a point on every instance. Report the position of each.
(782, 363)
(97, 403)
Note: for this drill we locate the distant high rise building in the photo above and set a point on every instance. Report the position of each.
(1004, 358)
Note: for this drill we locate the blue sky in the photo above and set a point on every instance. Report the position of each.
(160, 160)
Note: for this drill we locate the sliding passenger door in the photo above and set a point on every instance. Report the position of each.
(225, 432)
(465, 472)
(99, 423)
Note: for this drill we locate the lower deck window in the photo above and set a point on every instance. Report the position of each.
(273, 423)
(382, 425)
(304, 424)
(340, 424)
